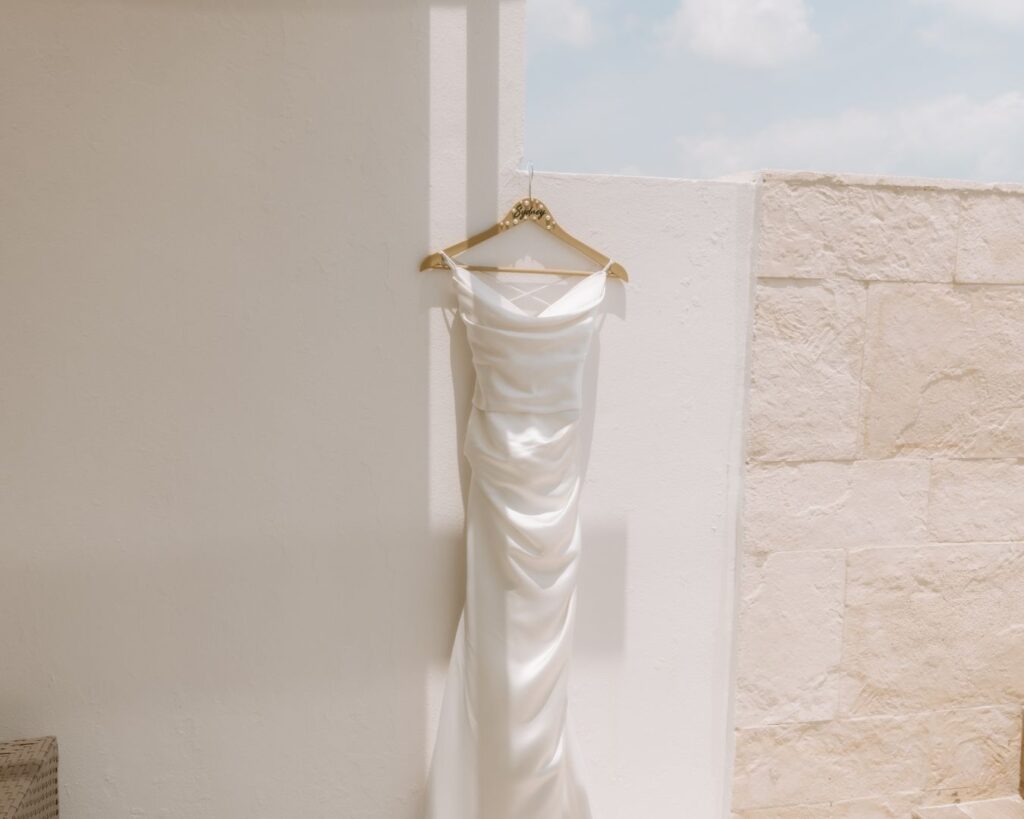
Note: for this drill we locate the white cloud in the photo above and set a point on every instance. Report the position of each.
(745, 32)
(567, 22)
(951, 135)
(953, 37)
(1001, 12)
(965, 27)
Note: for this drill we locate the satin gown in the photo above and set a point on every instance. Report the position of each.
(505, 746)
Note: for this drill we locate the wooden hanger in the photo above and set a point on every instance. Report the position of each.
(524, 211)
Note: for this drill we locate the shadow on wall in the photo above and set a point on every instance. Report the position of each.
(221, 588)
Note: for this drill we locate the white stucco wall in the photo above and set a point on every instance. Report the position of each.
(652, 680)
(230, 492)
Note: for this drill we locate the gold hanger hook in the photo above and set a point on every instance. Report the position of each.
(529, 185)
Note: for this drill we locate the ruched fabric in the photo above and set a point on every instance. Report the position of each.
(505, 746)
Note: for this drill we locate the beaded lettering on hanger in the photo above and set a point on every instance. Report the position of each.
(528, 209)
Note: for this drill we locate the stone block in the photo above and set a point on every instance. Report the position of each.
(977, 500)
(808, 762)
(992, 239)
(790, 637)
(944, 371)
(872, 233)
(941, 812)
(805, 370)
(976, 749)
(933, 627)
(832, 504)
(1004, 807)
(890, 806)
(893, 806)
(874, 759)
(1007, 807)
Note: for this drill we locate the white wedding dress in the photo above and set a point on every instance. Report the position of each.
(505, 746)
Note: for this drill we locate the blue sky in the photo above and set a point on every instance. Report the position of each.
(705, 88)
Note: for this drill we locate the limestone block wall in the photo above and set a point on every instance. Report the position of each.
(880, 647)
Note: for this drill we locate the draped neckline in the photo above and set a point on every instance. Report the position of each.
(499, 299)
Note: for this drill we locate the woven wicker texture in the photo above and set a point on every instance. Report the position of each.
(28, 779)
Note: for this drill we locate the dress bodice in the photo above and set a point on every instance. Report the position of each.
(528, 362)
